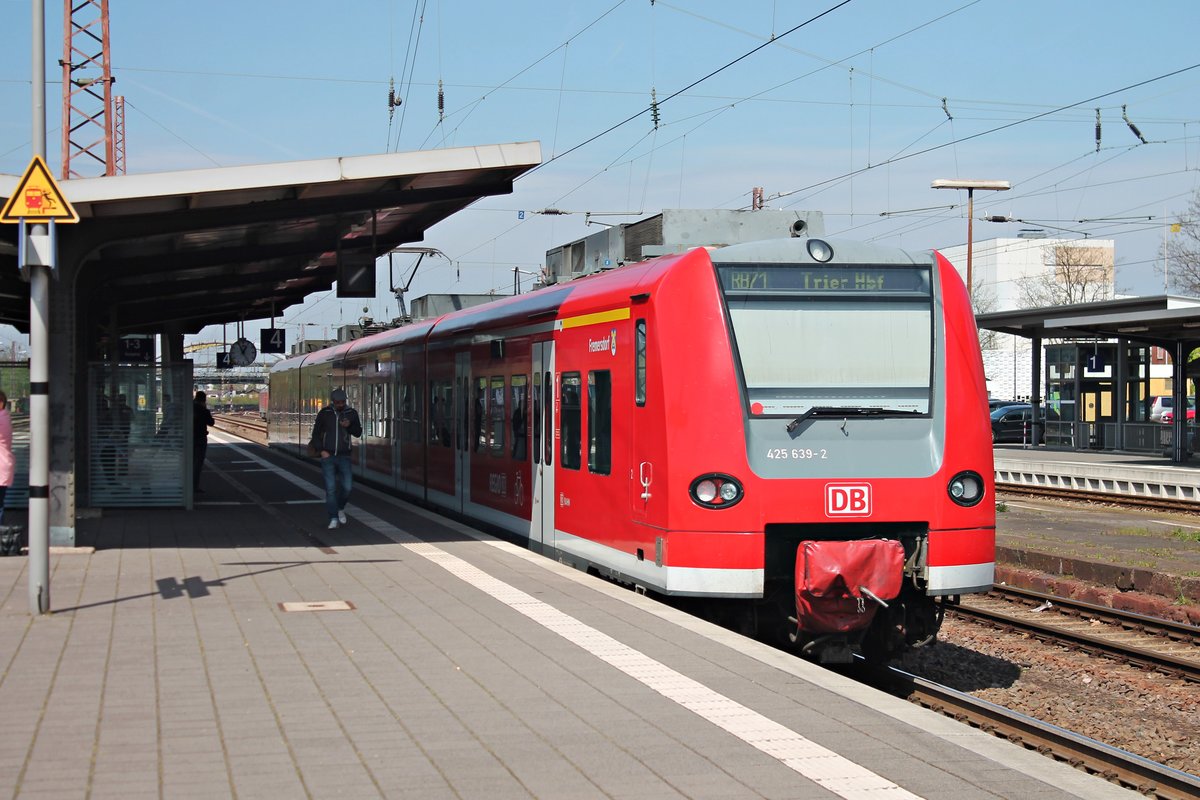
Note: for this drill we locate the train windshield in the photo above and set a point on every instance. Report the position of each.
(821, 336)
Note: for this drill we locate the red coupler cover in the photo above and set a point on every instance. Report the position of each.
(831, 576)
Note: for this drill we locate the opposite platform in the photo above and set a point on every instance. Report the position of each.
(1134, 475)
(463, 667)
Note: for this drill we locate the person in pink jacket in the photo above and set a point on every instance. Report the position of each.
(7, 464)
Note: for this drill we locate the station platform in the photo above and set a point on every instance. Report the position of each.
(1135, 475)
(243, 650)
(1140, 561)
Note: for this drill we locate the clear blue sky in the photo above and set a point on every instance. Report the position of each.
(859, 90)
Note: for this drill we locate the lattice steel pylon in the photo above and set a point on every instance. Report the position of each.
(87, 126)
(119, 134)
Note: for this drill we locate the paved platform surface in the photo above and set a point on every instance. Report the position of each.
(466, 668)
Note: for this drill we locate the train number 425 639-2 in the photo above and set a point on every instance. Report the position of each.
(796, 453)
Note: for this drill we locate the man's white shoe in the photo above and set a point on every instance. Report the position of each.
(342, 517)
(333, 523)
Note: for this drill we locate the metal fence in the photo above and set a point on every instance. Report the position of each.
(139, 435)
(1134, 437)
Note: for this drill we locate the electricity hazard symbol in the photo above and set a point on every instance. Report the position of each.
(37, 198)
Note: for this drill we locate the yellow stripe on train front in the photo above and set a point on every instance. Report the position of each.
(597, 318)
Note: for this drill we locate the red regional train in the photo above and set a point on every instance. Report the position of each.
(793, 429)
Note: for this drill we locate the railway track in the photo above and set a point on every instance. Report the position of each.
(1115, 765)
(248, 427)
(1170, 648)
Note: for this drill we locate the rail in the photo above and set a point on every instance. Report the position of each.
(1112, 763)
(247, 426)
(1170, 648)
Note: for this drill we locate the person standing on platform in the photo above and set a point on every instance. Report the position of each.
(7, 463)
(122, 417)
(331, 433)
(202, 420)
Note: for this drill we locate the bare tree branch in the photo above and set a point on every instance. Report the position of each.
(1181, 251)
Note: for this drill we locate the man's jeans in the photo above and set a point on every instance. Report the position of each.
(338, 480)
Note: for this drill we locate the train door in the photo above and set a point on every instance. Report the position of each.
(354, 399)
(641, 429)
(376, 413)
(462, 445)
(541, 518)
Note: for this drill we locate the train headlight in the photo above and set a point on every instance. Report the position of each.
(820, 250)
(716, 490)
(965, 488)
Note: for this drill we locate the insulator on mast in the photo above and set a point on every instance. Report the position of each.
(654, 109)
(441, 102)
(1097, 130)
(1133, 127)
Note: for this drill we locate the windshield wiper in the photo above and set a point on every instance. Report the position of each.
(849, 411)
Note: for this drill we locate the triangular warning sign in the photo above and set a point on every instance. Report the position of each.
(37, 198)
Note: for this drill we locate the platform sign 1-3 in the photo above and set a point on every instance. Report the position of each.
(273, 341)
(136, 350)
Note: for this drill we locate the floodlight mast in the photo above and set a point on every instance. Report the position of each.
(970, 186)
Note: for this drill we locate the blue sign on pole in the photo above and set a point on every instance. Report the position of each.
(1095, 363)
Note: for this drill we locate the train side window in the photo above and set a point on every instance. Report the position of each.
(480, 404)
(572, 420)
(441, 409)
(418, 421)
(600, 422)
(537, 417)
(548, 416)
(639, 362)
(498, 419)
(407, 409)
(435, 413)
(520, 416)
(447, 423)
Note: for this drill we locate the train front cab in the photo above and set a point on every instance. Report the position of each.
(888, 341)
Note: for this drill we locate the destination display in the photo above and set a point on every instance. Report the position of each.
(823, 278)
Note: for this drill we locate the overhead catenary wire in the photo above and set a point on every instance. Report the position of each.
(694, 83)
(996, 129)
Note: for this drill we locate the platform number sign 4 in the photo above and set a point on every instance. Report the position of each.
(273, 340)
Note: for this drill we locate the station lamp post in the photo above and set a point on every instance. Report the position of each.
(970, 186)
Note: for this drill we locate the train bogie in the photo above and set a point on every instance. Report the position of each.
(791, 436)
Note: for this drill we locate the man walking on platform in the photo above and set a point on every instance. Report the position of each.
(331, 433)
(202, 420)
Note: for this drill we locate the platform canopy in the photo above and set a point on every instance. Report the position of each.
(1161, 320)
(181, 250)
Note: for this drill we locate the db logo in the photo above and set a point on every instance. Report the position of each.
(847, 499)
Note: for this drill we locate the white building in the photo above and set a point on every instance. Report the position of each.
(1030, 271)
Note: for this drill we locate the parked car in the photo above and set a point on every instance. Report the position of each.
(1163, 403)
(993, 403)
(1168, 416)
(1012, 423)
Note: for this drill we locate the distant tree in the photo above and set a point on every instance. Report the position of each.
(1181, 251)
(983, 300)
(1077, 273)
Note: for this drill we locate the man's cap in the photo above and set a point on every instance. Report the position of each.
(337, 394)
